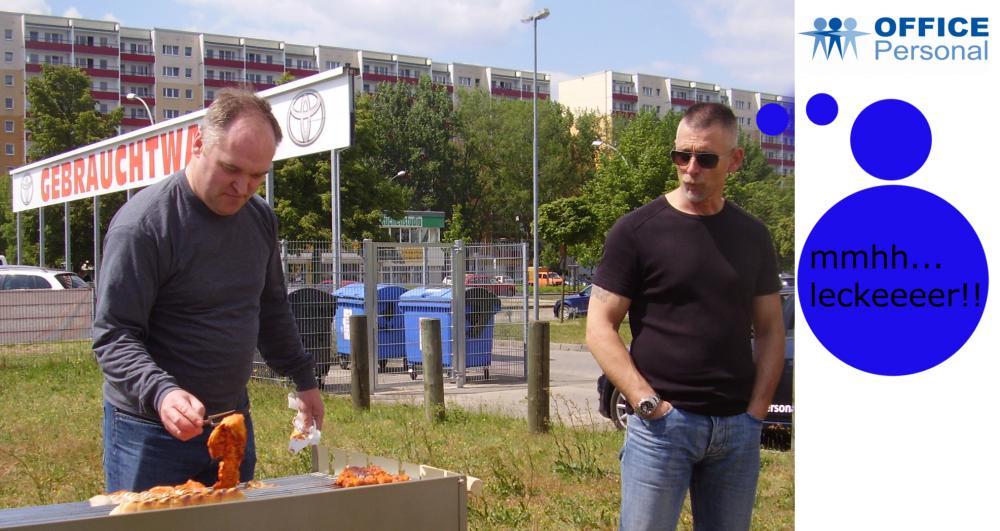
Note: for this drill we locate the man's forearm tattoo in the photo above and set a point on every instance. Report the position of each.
(601, 294)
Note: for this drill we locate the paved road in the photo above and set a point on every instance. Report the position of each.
(573, 375)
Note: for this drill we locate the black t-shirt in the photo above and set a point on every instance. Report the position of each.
(691, 280)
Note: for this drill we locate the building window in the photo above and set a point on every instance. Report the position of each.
(187, 73)
(171, 92)
(8, 126)
(102, 107)
(465, 81)
(9, 149)
(8, 79)
(8, 34)
(330, 65)
(172, 71)
(210, 94)
(8, 57)
(170, 113)
(647, 91)
(187, 51)
(8, 103)
(189, 93)
(171, 49)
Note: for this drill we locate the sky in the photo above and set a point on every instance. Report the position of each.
(744, 44)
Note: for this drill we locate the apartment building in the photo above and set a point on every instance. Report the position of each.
(610, 93)
(170, 73)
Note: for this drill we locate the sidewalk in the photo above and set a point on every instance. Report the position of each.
(572, 398)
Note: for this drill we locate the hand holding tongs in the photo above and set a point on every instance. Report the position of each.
(214, 420)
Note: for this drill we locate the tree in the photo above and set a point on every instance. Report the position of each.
(566, 221)
(495, 139)
(63, 117)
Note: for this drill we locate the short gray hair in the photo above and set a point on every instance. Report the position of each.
(229, 105)
(706, 114)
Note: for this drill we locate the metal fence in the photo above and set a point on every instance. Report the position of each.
(45, 320)
(484, 325)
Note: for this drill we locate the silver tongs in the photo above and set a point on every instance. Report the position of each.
(214, 420)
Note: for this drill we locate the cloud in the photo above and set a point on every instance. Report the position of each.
(34, 7)
(669, 69)
(752, 40)
(426, 28)
(72, 12)
(110, 17)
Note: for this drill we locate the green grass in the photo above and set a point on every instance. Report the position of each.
(50, 450)
(568, 331)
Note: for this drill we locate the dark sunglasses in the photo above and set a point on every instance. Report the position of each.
(705, 160)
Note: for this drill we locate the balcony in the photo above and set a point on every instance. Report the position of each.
(769, 145)
(512, 93)
(48, 46)
(151, 101)
(300, 73)
(267, 67)
(781, 162)
(262, 86)
(33, 68)
(682, 101)
(621, 96)
(444, 86)
(135, 122)
(105, 95)
(623, 114)
(139, 57)
(225, 63)
(378, 78)
(145, 79)
(101, 72)
(96, 50)
(222, 83)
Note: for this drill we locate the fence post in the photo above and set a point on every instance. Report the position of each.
(360, 387)
(458, 314)
(430, 351)
(538, 377)
(371, 278)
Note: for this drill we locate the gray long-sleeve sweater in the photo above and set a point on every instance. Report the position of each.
(184, 297)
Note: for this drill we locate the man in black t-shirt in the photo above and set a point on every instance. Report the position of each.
(695, 273)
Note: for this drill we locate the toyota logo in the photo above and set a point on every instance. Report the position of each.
(306, 116)
(27, 189)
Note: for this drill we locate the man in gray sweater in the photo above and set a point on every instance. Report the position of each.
(191, 285)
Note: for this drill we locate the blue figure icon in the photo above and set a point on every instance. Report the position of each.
(834, 33)
(819, 36)
(850, 34)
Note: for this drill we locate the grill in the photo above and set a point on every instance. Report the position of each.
(433, 499)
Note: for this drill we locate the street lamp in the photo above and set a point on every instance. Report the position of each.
(152, 121)
(533, 19)
(401, 173)
(134, 96)
(599, 143)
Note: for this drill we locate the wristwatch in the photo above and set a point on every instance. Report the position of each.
(647, 406)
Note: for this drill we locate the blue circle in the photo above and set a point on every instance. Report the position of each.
(822, 109)
(772, 119)
(891, 139)
(925, 258)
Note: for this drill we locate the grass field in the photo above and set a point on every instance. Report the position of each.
(50, 450)
(568, 331)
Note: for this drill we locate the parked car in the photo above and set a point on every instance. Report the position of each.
(612, 404)
(485, 281)
(30, 277)
(575, 305)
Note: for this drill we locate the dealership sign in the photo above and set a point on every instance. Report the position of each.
(314, 114)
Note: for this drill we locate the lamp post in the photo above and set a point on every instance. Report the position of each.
(399, 174)
(533, 19)
(599, 143)
(152, 121)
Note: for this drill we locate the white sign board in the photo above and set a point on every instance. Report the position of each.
(315, 114)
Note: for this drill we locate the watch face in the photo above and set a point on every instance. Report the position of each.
(646, 407)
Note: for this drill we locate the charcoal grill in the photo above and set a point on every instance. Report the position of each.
(433, 499)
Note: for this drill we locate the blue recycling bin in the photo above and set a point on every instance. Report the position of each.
(391, 339)
(481, 307)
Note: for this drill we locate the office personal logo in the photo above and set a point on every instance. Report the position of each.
(306, 117)
(917, 39)
(834, 37)
(27, 189)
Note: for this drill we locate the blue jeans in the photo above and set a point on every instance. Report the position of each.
(140, 453)
(718, 458)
